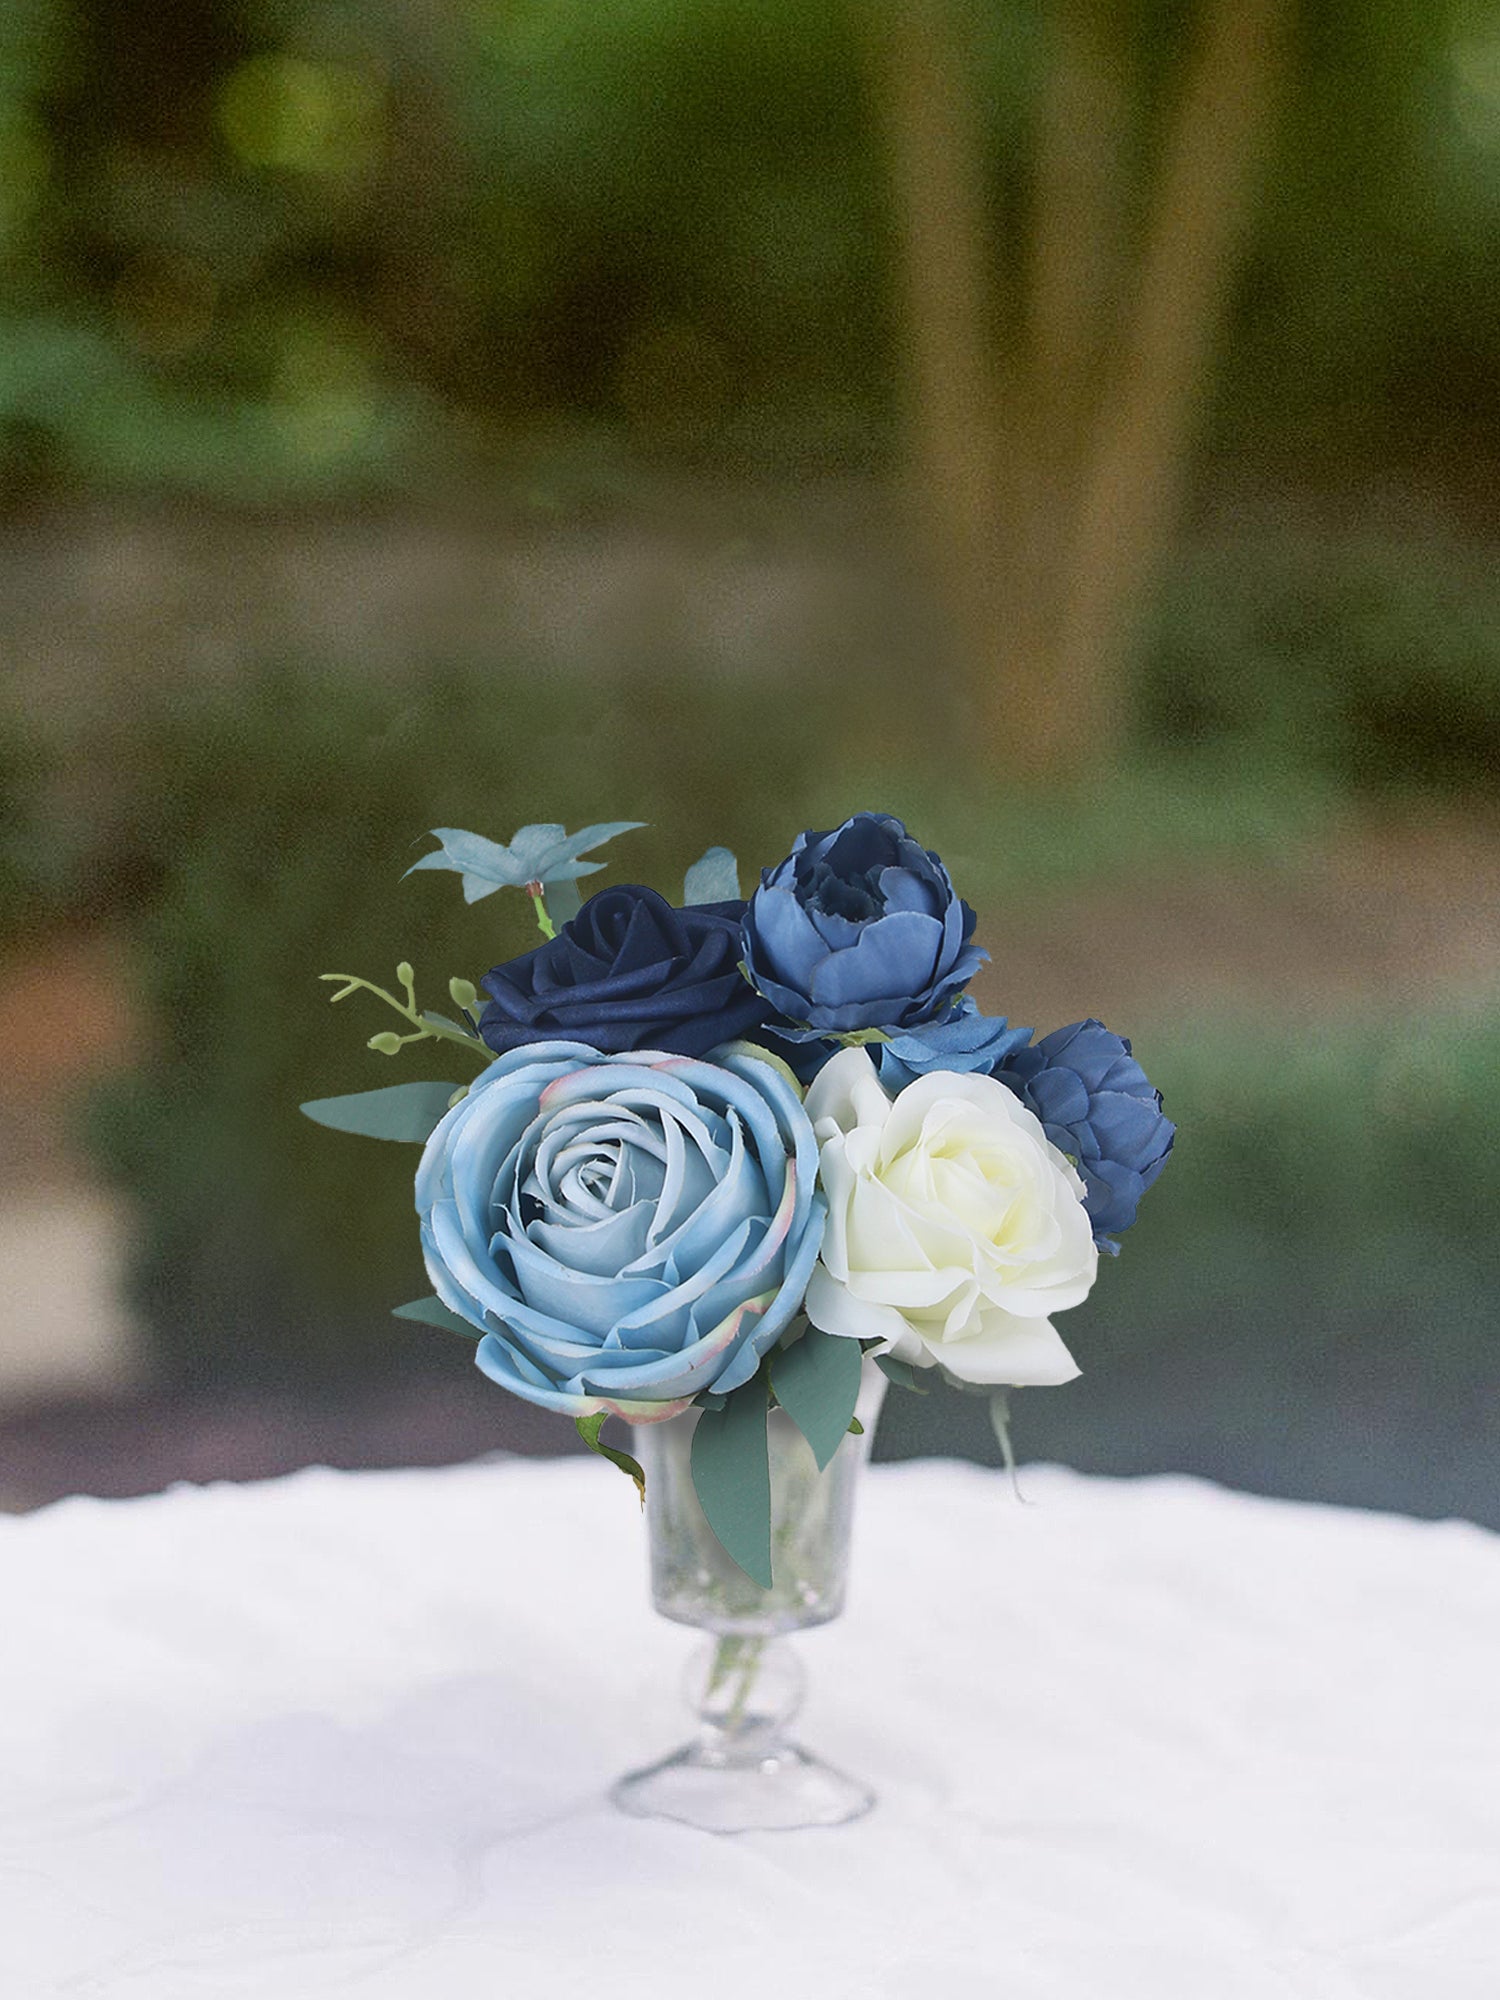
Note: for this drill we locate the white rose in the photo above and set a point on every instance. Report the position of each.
(954, 1224)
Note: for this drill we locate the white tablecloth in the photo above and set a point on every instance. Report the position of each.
(350, 1735)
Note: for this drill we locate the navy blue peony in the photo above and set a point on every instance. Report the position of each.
(1096, 1104)
(860, 928)
(628, 972)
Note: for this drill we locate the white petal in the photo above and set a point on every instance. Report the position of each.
(847, 1092)
(884, 1235)
(836, 1309)
(1054, 1282)
(981, 1098)
(1024, 1353)
(838, 1184)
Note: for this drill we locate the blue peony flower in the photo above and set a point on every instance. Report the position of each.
(969, 1042)
(626, 1230)
(1097, 1105)
(628, 972)
(859, 928)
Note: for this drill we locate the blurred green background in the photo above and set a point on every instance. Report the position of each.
(1071, 424)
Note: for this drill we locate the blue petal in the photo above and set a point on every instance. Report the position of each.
(1059, 1098)
(903, 890)
(968, 1042)
(785, 941)
(894, 961)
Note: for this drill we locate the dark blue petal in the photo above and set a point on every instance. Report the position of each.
(1099, 1106)
(628, 972)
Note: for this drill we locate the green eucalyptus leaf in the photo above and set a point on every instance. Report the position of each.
(405, 1111)
(901, 1373)
(732, 1477)
(713, 878)
(588, 1428)
(432, 1312)
(816, 1381)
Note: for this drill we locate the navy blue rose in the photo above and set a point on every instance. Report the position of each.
(1096, 1104)
(860, 928)
(628, 972)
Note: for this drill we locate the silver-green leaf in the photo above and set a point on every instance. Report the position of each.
(404, 1111)
(732, 1477)
(901, 1373)
(563, 902)
(816, 1381)
(432, 1312)
(713, 878)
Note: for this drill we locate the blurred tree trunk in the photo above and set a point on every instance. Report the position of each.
(1049, 461)
(942, 219)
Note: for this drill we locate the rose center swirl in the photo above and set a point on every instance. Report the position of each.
(618, 1177)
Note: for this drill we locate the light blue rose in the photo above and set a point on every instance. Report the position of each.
(628, 1229)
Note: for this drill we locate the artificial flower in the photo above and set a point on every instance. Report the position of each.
(628, 972)
(626, 1230)
(955, 1226)
(857, 929)
(1097, 1105)
(968, 1040)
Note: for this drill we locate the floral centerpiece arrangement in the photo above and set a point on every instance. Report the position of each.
(715, 1155)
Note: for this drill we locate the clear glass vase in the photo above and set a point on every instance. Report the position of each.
(741, 1772)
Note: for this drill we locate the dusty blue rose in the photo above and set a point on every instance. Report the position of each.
(969, 1042)
(1096, 1104)
(859, 928)
(626, 1229)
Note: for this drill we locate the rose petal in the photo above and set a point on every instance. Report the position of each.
(1000, 1349)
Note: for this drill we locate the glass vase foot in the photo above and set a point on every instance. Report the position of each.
(783, 1789)
(742, 1774)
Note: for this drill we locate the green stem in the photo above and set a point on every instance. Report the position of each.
(738, 1658)
(436, 1031)
(544, 922)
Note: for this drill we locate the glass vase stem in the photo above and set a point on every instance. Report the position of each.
(736, 1660)
(742, 1771)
